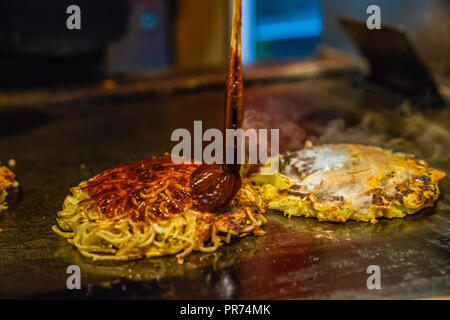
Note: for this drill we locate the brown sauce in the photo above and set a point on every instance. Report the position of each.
(215, 185)
(145, 190)
(155, 188)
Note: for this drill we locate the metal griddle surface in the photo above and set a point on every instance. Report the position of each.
(298, 258)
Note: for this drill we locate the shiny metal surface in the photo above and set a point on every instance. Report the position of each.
(58, 146)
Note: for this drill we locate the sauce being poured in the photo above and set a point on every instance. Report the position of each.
(215, 185)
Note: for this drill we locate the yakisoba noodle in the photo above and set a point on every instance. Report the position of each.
(6, 182)
(146, 209)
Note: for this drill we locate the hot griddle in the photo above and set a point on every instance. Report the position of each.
(57, 145)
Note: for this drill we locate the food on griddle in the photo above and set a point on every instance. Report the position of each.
(147, 209)
(155, 207)
(6, 182)
(349, 182)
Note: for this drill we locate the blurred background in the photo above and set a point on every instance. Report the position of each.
(123, 36)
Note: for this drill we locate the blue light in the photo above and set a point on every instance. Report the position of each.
(280, 28)
(148, 20)
(289, 30)
(248, 31)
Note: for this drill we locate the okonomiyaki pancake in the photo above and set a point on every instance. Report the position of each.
(147, 209)
(6, 182)
(349, 182)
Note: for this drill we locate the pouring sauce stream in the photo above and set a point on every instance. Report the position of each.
(215, 185)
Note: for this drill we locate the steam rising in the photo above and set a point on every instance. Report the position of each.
(406, 131)
(403, 129)
(287, 118)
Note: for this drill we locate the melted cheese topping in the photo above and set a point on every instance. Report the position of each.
(348, 174)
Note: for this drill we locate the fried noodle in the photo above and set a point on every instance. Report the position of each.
(145, 208)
